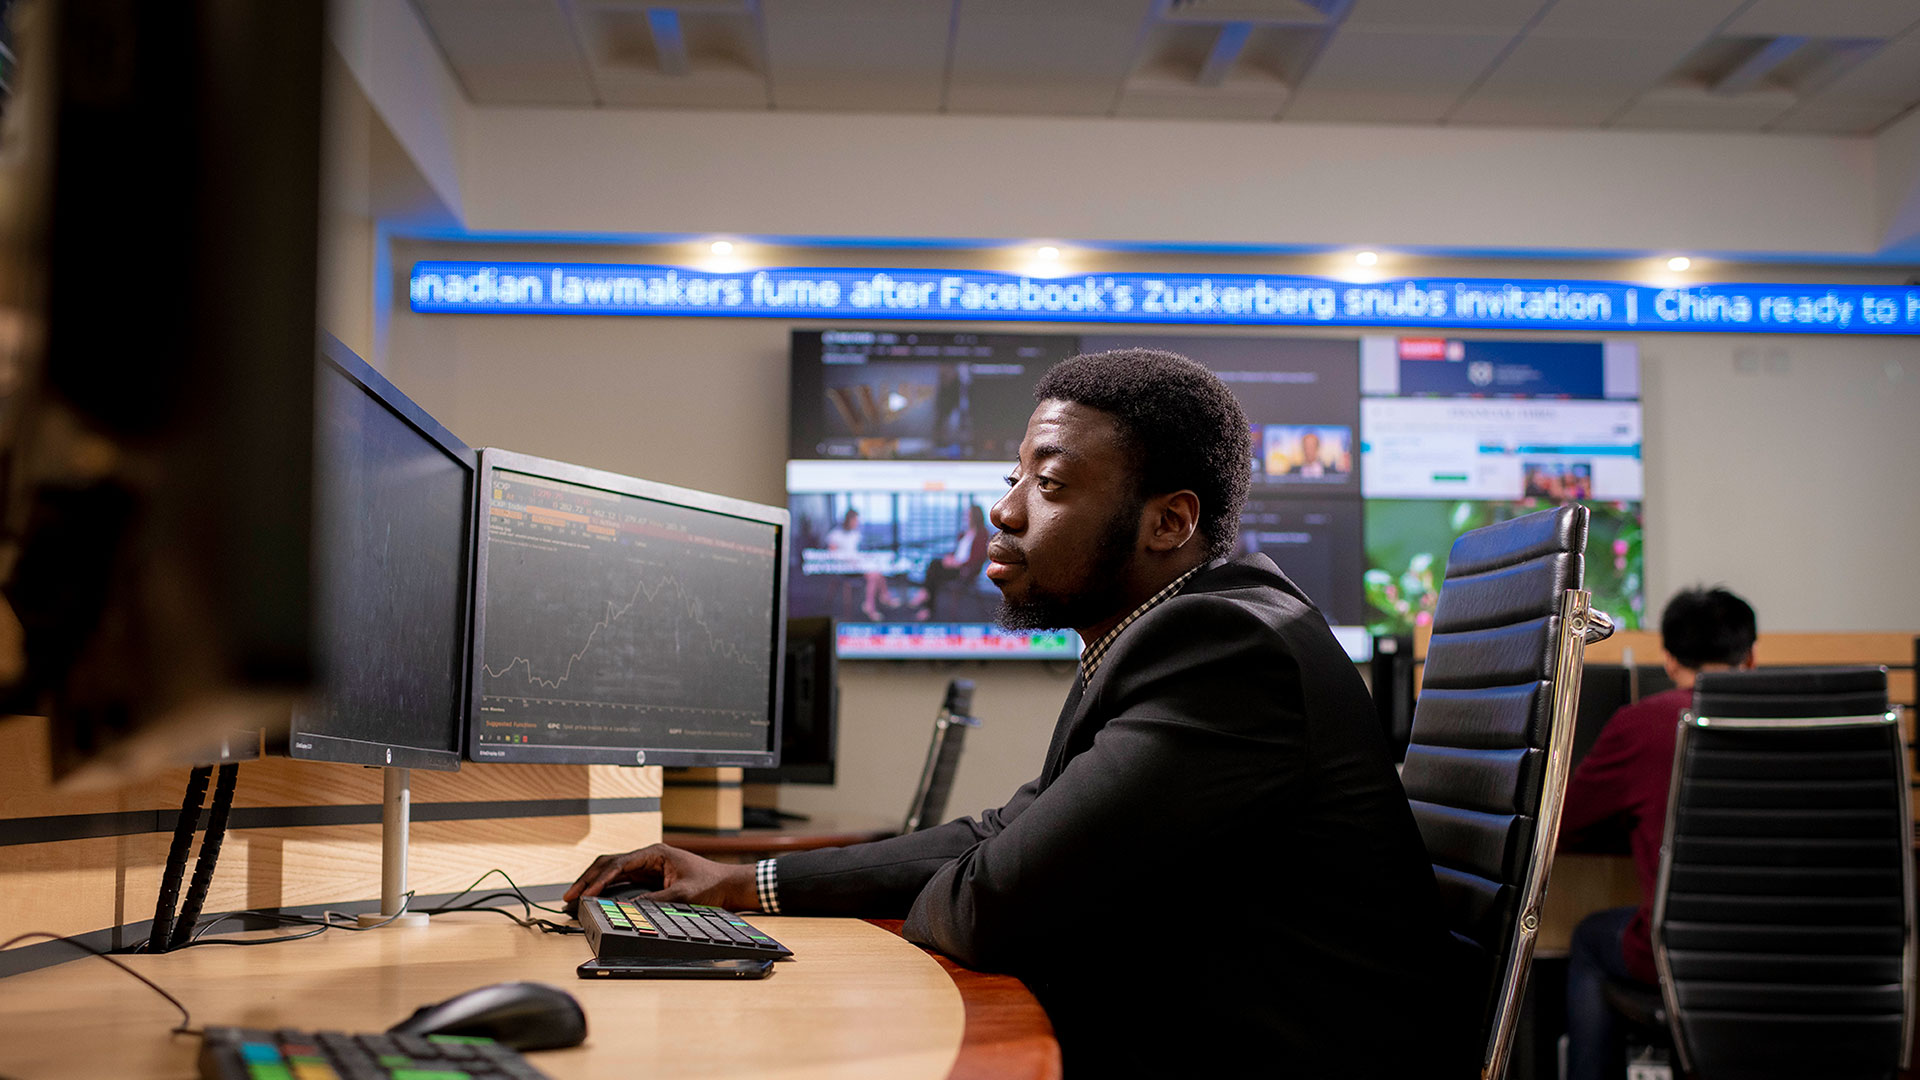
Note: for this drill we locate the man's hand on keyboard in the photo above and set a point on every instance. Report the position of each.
(671, 874)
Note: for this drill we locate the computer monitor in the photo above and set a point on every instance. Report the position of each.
(621, 621)
(810, 707)
(393, 541)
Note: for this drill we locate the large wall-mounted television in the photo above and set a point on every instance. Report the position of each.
(1457, 434)
(902, 440)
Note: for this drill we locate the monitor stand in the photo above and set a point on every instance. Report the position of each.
(396, 811)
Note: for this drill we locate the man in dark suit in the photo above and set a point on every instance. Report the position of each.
(1216, 863)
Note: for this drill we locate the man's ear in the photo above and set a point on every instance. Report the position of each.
(1171, 520)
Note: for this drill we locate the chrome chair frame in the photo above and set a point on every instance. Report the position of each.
(955, 712)
(1580, 625)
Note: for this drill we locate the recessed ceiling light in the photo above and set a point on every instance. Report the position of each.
(1048, 253)
(1367, 258)
(723, 247)
(1679, 262)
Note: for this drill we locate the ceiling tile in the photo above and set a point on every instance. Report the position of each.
(1063, 57)
(1839, 119)
(1413, 77)
(856, 55)
(1826, 18)
(1451, 17)
(1579, 67)
(1890, 74)
(509, 52)
(1371, 107)
(1188, 104)
(1636, 19)
(651, 90)
(1537, 110)
(1567, 82)
(721, 49)
(1702, 111)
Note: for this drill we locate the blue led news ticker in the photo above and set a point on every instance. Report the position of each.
(1217, 299)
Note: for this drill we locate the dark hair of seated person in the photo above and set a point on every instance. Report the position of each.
(1178, 422)
(1708, 626)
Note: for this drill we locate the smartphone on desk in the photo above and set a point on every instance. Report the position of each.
(618, 968)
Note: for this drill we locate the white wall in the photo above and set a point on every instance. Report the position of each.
(1783, 466)
(614, 171)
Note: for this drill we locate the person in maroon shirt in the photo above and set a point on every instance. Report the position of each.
(1622, 782)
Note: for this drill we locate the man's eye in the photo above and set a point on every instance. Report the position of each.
(1046, 483)
(1011, 480)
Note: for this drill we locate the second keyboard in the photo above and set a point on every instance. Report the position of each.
(645, 930)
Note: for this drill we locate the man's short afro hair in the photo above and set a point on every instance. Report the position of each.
(1179, 422)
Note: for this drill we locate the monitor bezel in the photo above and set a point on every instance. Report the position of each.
(311, 746)
(492, 458)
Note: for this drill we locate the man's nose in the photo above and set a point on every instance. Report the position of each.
(1004, 513)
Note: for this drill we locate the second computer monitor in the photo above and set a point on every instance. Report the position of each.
(810, 708)
(392, 548)
(621, 621)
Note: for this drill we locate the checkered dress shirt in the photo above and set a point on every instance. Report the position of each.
(1096, 652)
(766, 872)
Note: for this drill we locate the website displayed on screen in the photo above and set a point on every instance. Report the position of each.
(1458, 434)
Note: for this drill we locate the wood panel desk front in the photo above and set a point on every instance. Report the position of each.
(857, 1002)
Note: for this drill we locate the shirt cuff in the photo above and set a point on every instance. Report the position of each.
(766, 883)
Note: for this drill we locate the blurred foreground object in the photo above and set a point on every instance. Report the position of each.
(159, 196)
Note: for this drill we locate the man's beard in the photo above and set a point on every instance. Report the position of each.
(1102, 589)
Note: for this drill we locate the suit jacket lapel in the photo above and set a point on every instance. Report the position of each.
(1074, 716)
(1069, 714)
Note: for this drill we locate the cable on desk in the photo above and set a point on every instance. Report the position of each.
(176, 867)
(186, 1018)
(209, 855)
(546, 926)
(333, 920)
(481, 903)
(320, 925)
(530, 904)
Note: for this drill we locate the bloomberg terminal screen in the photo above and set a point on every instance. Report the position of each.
(613, 622)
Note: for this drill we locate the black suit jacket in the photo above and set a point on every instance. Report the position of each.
(1216, 862)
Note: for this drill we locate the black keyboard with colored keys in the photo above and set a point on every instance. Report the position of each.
(230, 1053)
(644, 930)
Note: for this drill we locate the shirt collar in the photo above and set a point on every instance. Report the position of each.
(1096, 652)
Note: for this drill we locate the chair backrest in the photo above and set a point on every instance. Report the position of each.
(1487, 763)
(943, 757)
(1784, 915)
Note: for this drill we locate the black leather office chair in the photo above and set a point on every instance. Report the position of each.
(943, 757)
(1783, 921)
(1487, 763)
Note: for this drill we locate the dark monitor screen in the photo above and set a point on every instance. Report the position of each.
(393, 557)
(620, 621)
(1605, 689)
(810, 707)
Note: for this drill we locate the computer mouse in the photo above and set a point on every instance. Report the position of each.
(523, 1015)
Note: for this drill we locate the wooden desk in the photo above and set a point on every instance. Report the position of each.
(858, 1002)
(1579, 885)
(752, 845)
